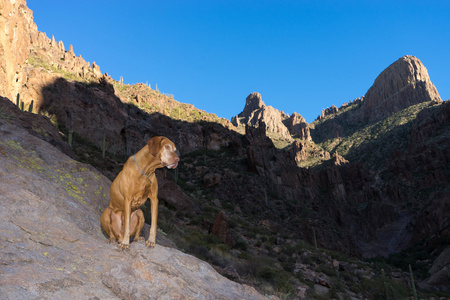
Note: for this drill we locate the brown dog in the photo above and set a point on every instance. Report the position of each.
(131, 188)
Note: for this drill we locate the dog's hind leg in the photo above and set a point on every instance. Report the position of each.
(136, 224)
(112, 225)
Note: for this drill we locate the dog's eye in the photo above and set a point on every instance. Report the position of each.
(167, 147)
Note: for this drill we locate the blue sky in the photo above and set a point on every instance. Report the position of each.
(301, 56)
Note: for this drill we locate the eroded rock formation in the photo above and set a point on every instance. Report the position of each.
(298, 127)
(16, 23)
(256, 113)
(402, 84)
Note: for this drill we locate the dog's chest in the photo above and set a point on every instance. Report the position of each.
(142, 195)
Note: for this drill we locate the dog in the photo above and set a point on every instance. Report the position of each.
(131, 188)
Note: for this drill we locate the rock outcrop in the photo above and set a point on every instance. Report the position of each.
(16, 23)
(256, 112)
(21, 44)
(439, 272)
(402, 84)
(53, 246)
(220, 229)
(298, 127)
(37, 125)
(303, 150)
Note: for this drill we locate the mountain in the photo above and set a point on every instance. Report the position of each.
(256, 113)
(368, 187)
(402, 84)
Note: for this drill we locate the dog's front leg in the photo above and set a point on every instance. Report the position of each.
(126, 224)
(154, 213)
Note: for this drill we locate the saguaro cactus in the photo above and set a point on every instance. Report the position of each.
(413, 286)
(30, 108)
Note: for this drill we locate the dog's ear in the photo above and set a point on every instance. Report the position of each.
(154, 145)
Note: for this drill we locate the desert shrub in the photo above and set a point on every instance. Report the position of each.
(244, 255)
(267, 273)
(241, 244)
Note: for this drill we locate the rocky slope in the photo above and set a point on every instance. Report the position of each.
(52, 243)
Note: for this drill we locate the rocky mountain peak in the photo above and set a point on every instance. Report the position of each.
(402, 84)
(253, 102)
(256, 113)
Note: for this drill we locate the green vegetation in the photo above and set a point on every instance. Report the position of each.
(40, 62)
(4, 115)
(380, 137)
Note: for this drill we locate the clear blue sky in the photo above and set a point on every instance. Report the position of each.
(301, 56)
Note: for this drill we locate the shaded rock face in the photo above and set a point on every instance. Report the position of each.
(439, 272)
(345, 193)
(220, 229)
(425, 166)
(402, 84)
(95, 112)
(37, 125)
(171, 193)
(263, 158)
(302, 151)
(53, 246)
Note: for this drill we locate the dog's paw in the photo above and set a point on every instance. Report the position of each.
(150, 244)
(124, 247)
(139, 239)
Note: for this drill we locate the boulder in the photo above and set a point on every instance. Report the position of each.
(171, 193)
(211, 179)
(439, 272)
(220, 229)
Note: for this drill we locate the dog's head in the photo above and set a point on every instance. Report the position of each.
(165, 150)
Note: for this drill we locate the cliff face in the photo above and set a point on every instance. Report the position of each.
(402, 84)
(16, 23)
